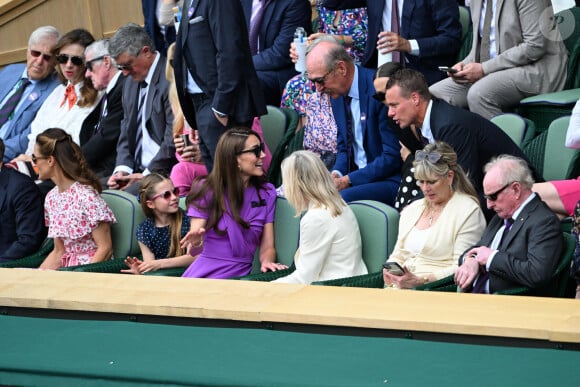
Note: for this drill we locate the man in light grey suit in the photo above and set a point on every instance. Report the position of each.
(39, 71)
(522, 243)
(518, 54)
(146, 141)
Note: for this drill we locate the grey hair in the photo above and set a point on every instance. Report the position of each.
(512, 169)
(335, 54)
(130, 39)
(43, 33)
(99, 48)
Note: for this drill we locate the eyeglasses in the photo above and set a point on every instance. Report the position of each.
(166, 194)
(257, 150)
(129, 65)
(89, 63)
(36, 54)
(493, 196)
(380, 96)
(321, 80)
(432, 157)
(35, 158)
(76, 60)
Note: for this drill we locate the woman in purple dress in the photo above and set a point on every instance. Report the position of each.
(232, 211)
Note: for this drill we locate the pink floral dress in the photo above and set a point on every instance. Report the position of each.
(72, 216)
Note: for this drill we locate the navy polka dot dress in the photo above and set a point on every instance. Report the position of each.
(157, 239)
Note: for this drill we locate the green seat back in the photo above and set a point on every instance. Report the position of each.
(513, 125)
(128, 213)
(292, 141)
(568, 22)
(466, 33)
(273, 127)
(558, 160)
(379, 225)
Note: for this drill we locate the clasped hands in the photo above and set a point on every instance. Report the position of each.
(473, 260)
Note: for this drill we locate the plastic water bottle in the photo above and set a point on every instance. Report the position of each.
(300, 46)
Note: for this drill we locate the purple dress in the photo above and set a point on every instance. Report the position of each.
(232, 254)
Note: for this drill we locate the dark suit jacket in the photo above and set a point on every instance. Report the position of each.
(99, 148)
(21, 215)
(380, 143)
(213, 45)
(16, 136)
(273, 65)
(475, 139)
(530, 250)
(158, 120)
(433, 23)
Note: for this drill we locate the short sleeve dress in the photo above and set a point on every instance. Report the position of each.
(72, 216)
(232, 254)
(158, 239)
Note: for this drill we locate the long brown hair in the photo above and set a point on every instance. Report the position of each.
(225, 180)
(147, 188)
(68, 155)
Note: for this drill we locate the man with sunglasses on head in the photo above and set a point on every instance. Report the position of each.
(522, 243)
(368, 162)
(23, 89)
(146, 140)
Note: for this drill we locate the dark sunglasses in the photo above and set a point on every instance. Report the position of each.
(321, 80)
(432, 157)
(89, 63)
(36, 54)
(76, 60)
(493, 196)
(380, 96)
(257, 150)
(35, 158)
(166, 194)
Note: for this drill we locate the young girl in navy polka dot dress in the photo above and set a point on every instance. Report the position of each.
(159, 235)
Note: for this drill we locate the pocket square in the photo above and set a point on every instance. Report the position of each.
(196, 19)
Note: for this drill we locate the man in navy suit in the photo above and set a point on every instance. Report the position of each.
(39, 70)
(429, 34)
(522, 243)
(215, 77)
(275, 33)
(21, 212)
(368, 161)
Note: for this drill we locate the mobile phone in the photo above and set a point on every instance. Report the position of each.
(394, 268)
(450, 70)
(121, 182)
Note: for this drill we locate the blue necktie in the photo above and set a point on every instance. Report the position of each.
(255, 25)
(8, 108)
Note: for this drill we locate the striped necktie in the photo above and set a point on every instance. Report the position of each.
(142, 93)
(10, 105)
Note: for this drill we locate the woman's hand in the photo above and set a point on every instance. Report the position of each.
(193, 239)
(406, 281)
(133, 265)
(272, 266)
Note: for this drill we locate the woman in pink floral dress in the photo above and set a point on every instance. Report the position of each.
(77, 217)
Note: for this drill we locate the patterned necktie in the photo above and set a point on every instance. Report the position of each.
(255, 25)
(349, 133)
(486, 33)
(395, 28)
(70, 95)
(480, 285)
(11, 103)
(424, 140)
(103, 113)
(142, 93)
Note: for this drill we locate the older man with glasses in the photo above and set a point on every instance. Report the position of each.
(23, 89)
(521, 244)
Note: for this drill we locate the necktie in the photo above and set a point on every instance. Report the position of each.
(349, 132)
(8, 107)
(70, 95)
(142, 93)
(484, 276)
(255, 24)
(103, 113)
(486, 33)
(395, 28)
(424, 140)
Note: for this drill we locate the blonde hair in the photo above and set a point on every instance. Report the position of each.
(178, 117)
(307, 182)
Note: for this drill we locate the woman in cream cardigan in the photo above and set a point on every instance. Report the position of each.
(436, 230)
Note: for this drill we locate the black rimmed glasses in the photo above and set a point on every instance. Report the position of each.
(432, 157)
(36, 158)
(493, 196)
(166, 194)
(36, 54)
(76, 60)
(129, 65)
(256, 150)
(321, 80)
(89, 63)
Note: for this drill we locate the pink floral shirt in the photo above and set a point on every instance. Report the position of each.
(72, 216)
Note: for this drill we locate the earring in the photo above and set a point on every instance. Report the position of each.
(240, 167)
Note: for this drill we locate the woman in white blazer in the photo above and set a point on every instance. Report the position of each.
(436, 230)
(330, 243)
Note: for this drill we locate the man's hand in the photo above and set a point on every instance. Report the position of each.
(341, 182)
(466, 273)
(390, 41)
(469, 73)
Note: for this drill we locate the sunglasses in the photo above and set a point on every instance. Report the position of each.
(493, 196)
(432, 157)
(321, 80)
(35, 158)
(129, 65)
(89, 63)
(257, 150)
(76, 60)
(36, 54)
(380, 96)
(166, 194)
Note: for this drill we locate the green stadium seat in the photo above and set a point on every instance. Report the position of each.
(515, 127)
(273, 127)
(34, 260)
